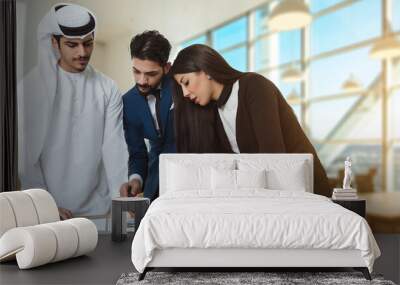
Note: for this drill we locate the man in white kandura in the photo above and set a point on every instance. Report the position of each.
(71, 139)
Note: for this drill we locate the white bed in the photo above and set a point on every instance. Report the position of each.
(201, 220)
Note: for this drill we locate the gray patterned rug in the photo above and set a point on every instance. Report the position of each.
(231, 278)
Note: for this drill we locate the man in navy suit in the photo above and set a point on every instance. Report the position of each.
(148, 113)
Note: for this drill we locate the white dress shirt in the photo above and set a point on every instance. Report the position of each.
(151, 102)
(228, 113)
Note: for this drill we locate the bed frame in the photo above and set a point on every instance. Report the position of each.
(242, 259)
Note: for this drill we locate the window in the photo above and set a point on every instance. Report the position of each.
(199, 40)
(261, 54)
(357, 22)
(366, 164)
(328, 75)
(339, 124)
(396, 15)
(394, 118)
(287, 88)
(297, 111)
(318, 5)
(237, 58)
(231, 34)
(396, 166)
(396, 70)
(289, 46)
(260, 21)
(326, 115)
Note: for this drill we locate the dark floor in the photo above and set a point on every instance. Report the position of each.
(102, 266)
(110, 259)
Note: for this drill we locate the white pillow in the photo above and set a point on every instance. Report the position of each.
(251, 178)
(293, 180)
(191, 174)
(223, 179)
(281, 175)
(236, 179)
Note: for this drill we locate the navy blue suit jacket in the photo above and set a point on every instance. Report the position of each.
(138, 125)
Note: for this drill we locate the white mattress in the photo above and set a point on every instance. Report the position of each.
(251, 219)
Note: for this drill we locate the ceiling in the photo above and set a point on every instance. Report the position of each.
(178, 20)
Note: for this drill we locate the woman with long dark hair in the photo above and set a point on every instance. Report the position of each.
(221, 110)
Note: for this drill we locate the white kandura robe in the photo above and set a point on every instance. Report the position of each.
(83, 160)
(70, 135)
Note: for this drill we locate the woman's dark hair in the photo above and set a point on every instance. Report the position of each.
(195, 126)
(150, 45)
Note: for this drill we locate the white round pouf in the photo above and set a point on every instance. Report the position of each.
(23, 208)
(41, 244)
(45, 205)
(31, 232)
(32, 246)
(87, 234)
(67, 240)
(7, 218)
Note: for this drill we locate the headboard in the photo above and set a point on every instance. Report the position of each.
(211, 158)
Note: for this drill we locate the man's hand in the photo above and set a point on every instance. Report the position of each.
(134, 186)
(65, 214)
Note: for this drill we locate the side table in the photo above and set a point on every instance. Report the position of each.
(357, 205)
(120, 206)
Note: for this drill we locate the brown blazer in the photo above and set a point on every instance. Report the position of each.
(265, 123)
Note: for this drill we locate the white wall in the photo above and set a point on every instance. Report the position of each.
(99, 55)
(29, 14)
(115, 62)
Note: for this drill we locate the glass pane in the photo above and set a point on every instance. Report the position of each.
(237, 58)
(261, 54)
(396, 166)
(325, 116)
(286, 88)
(396, 70)
(328, 75)
(318, 5)
(396, 15)
(366, 165)
(394, 119)
(260, 21)
(347, 118)
(297, 110)
(358, 22)
(289, 46)
(230, 34)
(199, 40)
(367, 111)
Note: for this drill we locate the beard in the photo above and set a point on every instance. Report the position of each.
(146, 89)
(79, 64)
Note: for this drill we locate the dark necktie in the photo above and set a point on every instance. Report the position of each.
(156, 94)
